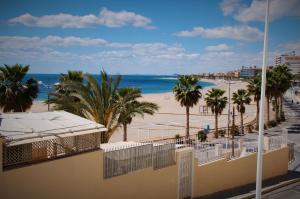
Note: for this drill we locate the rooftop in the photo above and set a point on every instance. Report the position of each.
(21, 128)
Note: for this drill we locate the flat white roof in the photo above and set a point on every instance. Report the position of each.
(20, 128)
(120, 145)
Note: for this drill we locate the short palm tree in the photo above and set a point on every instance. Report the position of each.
(60, 98)
(130, 107)
(72, 75)
(215, 100)
(16, 95)
(187, 93)
(97, 101)
(241, 98)
(254, 85)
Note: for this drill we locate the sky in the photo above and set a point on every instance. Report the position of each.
(144, 36)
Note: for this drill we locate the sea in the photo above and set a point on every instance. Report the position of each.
(147, 83)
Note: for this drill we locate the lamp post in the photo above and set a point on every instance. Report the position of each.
(228, 122)
(262, 106)
(48, 86)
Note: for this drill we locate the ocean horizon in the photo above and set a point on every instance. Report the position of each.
(149, 84)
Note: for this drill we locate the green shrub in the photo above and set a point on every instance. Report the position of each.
(222, 133)
(177, 136)
(234, 130)
(201, 136)
(272, 123)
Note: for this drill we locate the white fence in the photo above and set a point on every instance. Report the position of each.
(128, 158)
(161, 153)
(224, 147)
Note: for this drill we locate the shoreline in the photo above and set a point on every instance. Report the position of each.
(216, 82)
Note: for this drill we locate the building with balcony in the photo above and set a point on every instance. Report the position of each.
(291, 60)
(248, 72)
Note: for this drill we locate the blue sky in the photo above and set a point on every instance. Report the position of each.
(144, 37)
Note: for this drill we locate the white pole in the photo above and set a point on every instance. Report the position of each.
(262, 107)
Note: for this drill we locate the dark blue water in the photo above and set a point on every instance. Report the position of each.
(147, 83)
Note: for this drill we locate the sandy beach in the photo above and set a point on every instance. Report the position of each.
(170, 119)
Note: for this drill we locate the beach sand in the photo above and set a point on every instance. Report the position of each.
(170, 119)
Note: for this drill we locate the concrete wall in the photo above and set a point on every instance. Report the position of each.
(222, 174)
(81, 176)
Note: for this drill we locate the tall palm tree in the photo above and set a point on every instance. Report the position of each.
(282, 79)
(253, 86)
(130, 107)
(15, 94)
(241, 98)
(60, 98)
(187, 93)
(215, 100)
(97, 101)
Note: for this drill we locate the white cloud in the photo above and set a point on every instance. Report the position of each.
(219, 47)
(291, 46)
(230, 6)
(32, 42)
(47, 55)
(278, 8)
(242, 33)
(106, 17)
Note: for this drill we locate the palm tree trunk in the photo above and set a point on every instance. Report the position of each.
(268, 111)
(257, 114)
(242, 123)
(276, 109)
(187, 130)
(216, 126)
(281, 101)
(125, 132)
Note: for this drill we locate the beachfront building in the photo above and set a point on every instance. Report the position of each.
(290, 59)
(234, 74)
(248, 72)
(36, 137)
(60, 155)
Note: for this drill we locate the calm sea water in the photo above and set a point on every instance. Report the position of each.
(147, 83)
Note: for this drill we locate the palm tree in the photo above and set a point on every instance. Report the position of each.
(282, 79)
(72, 75)
(254, 89)
(60, 98)
(269, 93)
(96, 101)
(130, 107)
(15, 94)
(241, 98)
(217, 103)
(187, 92)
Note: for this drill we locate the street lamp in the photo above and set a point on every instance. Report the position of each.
(48, 86)
(229, 98)
(229, 101)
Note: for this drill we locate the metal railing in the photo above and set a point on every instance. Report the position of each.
(222, 147)
(19, 155)
(291, 151)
